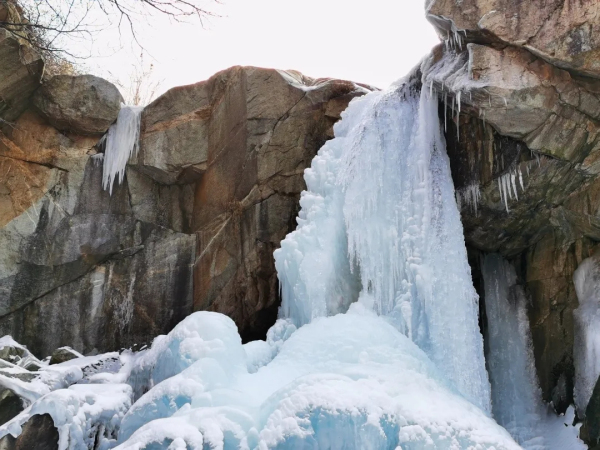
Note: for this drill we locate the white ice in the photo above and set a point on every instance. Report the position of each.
(121, 143)
(516, 397)
(586, 353)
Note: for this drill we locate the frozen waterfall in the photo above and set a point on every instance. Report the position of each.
(379, 221)
(516, 397)
(587, 331)
(121, 143)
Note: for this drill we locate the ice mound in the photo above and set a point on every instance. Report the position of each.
(350, 381)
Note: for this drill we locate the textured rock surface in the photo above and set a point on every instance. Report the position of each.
(10, 404)
(245, 137)
(213, 190)
(79, 104)
(77, 263)
(39, 433)
(564, 33)
(63, 354)
(20, 73)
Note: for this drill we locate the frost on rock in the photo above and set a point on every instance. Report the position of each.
(120, 144)
(381, 193)
(586, 353)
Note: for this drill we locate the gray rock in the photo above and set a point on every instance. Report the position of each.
(63, 354)
(39, 433)
(21, 70)
(11, 404)
(81, 104)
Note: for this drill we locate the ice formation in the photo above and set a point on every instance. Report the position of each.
(469, 195)
(381, 193)
(587, 336)
(121, 143)
(349, 381)
(516, 397)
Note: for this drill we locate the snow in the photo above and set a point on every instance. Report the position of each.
(516, 397)
(82, 414)
(121, 144)
(347, 381)
(587, 337)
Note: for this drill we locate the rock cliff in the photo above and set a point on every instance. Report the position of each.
(214, 188)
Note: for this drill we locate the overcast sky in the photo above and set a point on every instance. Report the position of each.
(373, 41)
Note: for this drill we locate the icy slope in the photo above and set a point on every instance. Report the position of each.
(350, 381)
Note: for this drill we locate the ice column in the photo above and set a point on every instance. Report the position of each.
(121, 143)
(516, 397)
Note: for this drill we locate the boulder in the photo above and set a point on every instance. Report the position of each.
(38, 433)
(566, 34)
(63, 354)
(11, 404)
(79, 104)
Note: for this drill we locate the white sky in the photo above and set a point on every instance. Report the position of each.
(372, 41)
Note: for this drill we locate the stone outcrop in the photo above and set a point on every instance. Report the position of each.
(564, 33)
(522, 111)
(21, 70)
(245, 137)
(213, 190)
(79, 104)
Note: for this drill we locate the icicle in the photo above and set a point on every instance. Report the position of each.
(121, 144)
(521, 179)
(514, 184)
(445, 111)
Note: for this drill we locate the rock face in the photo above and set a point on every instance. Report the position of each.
(21, 70)
(81, 104)
(564, 33)
(524, 145)
(244, 137)
(214, 189)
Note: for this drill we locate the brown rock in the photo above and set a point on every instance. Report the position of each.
(20, 73)
(245, 137)
(566, 34)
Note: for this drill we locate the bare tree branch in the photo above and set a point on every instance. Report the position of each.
(48, 25)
